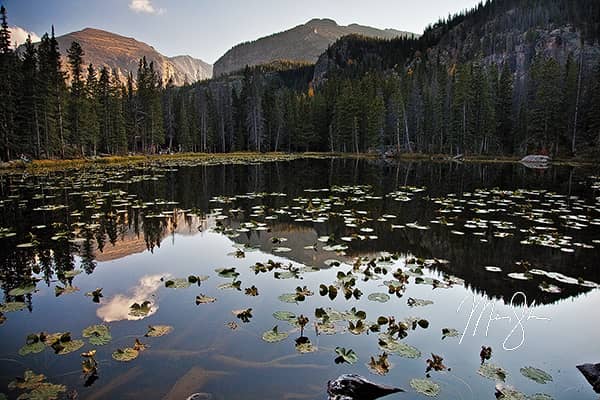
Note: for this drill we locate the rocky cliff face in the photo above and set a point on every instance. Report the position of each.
(302, 43)
(121, 53)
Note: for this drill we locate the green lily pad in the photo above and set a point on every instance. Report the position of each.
(449, 332)
(412, 302)
(158, 330)
(70, 346)
(202, 299)
(286, 316)
(536, 374)
(98, 335)
(540, 396)
(125, 355)
(505, 392)
(303, 345)
(32, 348)
(274, 335)
(178, 283)
(380, 297)
(288, 298)
(493, 372)
(22, 290)
(344, 355)
(400, 348)
(426, 387)
(140, 310)
(59, 290)
(38, 389)
(227, 272)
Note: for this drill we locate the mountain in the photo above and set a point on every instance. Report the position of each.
(122, 53)
(302, 43)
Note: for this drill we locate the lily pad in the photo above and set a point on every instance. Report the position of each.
(492, 371)
(140, 310)
(70, 346)
(344, 355)
(286, 316)
(536, 375)
(126, 354)
(303, 345)
(202, 299)
(449, 332)
(505, 392)
(380, 297)
(178, 283)
(98, 335)
(227, 272)
(274, 335)
(412, 302)
(381, 365)
(400, 348)
(38, 389)
(59, 290)
(288, 298)
(158, 330)
(426, 387)
(34, 345)
(12, 306)
(22, 290)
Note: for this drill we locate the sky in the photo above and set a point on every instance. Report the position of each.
(206, 29)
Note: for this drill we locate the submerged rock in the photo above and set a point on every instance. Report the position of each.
(592, 374)
(355, 387)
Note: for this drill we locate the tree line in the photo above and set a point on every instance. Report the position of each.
(376, 96)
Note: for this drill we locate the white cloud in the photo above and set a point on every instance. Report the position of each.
(19, 35)
(145, 6)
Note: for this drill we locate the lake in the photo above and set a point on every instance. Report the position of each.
(389, 262)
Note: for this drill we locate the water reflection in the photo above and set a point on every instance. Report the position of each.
(118, 307)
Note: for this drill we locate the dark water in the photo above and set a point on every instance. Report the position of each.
(437, 225)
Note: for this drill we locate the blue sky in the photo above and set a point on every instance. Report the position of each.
(208, 28)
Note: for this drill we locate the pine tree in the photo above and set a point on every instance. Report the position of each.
(8, 87)
(91, 126)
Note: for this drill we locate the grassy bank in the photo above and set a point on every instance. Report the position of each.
(224, 158)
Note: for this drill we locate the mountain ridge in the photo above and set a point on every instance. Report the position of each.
(304, 43)
(122, 53)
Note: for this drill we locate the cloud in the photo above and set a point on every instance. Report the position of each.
(145, 6)
(19, 35)
(118, 307)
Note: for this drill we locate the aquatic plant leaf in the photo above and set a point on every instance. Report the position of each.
(380, 297)
(140, 310)
(273, 335)
(390, 345)
(381, 365)
(251, 291)
(303, 345)
(244, 315)
(536, 375)
(237, 285)
(22, 290)
(286, 316)
(59, 290)
(288, 298)
(540, 396)
(32, 348)
(98, 335)
(227, 272)
(426, 387)
(202, 299)
(435, 363)
(449, 332)
(158, 330)
(70, 346)
(43, 391)
(126, 354)
(493, 372)
(178, 283)
(344, 355)
(505, 392)
(412, 302)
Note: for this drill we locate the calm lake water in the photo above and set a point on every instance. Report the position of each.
(506, 256)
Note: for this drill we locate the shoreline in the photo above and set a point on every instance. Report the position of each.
(64, 164)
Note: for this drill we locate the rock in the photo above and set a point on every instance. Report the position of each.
(355, 387)
(591, 372)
